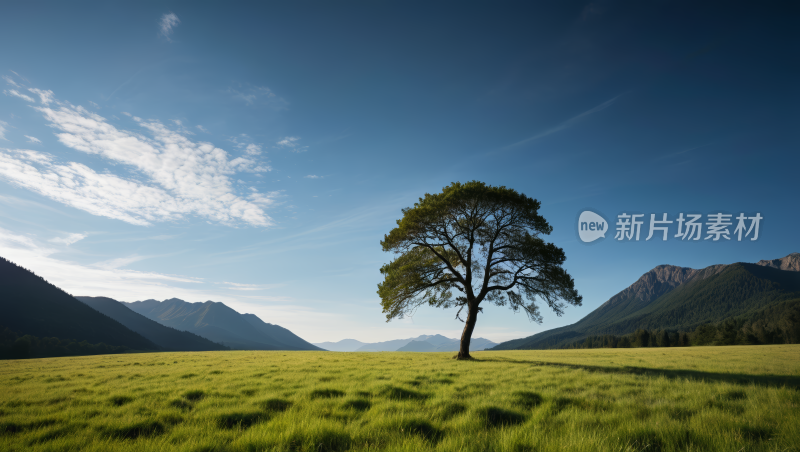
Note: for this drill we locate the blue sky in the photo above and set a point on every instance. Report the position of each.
(256, 154)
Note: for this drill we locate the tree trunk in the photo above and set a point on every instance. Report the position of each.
(469, 325)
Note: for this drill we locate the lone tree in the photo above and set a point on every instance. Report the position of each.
(482, 241)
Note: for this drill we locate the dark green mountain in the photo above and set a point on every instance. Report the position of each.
(680, 299)
(219, 323)
(165, 337)
(30, 305)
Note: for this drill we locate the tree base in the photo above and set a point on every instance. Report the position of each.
(466, 357)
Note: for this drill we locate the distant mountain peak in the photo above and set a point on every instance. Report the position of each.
(790, 263)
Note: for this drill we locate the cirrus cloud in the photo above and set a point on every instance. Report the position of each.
(69, 239)
(170, 176)
(168, 22)
(11, 81)
(15, 93)
(81, 187)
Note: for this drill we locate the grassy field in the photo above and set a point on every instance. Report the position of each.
(682, 399)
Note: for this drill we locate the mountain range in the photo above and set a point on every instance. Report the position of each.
(668, 298)
(423, 343)
(165, 337)
(219, 323)
(680, 299)
(32, 307)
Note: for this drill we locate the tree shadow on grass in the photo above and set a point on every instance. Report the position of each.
(740, 379)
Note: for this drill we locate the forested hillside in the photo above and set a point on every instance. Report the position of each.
(29, 305)
(165, 337)
(679, 300)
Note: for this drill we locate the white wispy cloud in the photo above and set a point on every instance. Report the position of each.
(94, 104)
(201, 128)
(250, 149)
(238, 286)
(292, 144)
(172, 176)
(15, 93)
(94, 280)
(168, 23)
(190, 177)
(257, 94)
(81, 187)
(23, 78)
(69, 239)
(189, 190)
(564, 125)
(312, 176)
(288, 142)
(181, 128)
(10, 81)
(263, 199)
(45, 95)
(119, 262)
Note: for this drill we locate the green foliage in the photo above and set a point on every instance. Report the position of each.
(480, 243)
(669, 399)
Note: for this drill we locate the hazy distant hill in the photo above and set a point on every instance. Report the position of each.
(345, 345)
(476, 343)
(424, 343)
(680, 299)
(387, 346)
(394, 345)
(31, 305)
(219, 323)
(163, 336)
(417, 346)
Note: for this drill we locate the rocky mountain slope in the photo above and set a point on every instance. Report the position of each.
(680, 298)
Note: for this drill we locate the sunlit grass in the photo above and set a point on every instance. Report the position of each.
(682, 399)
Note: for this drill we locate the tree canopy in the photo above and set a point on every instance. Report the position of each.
(479, 243)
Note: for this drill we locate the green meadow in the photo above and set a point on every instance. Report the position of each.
(737, 398)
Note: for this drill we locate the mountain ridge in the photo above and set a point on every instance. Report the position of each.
(167, 338)
(219, 323)
(662, 297)
(790, 262)
(31, 305)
